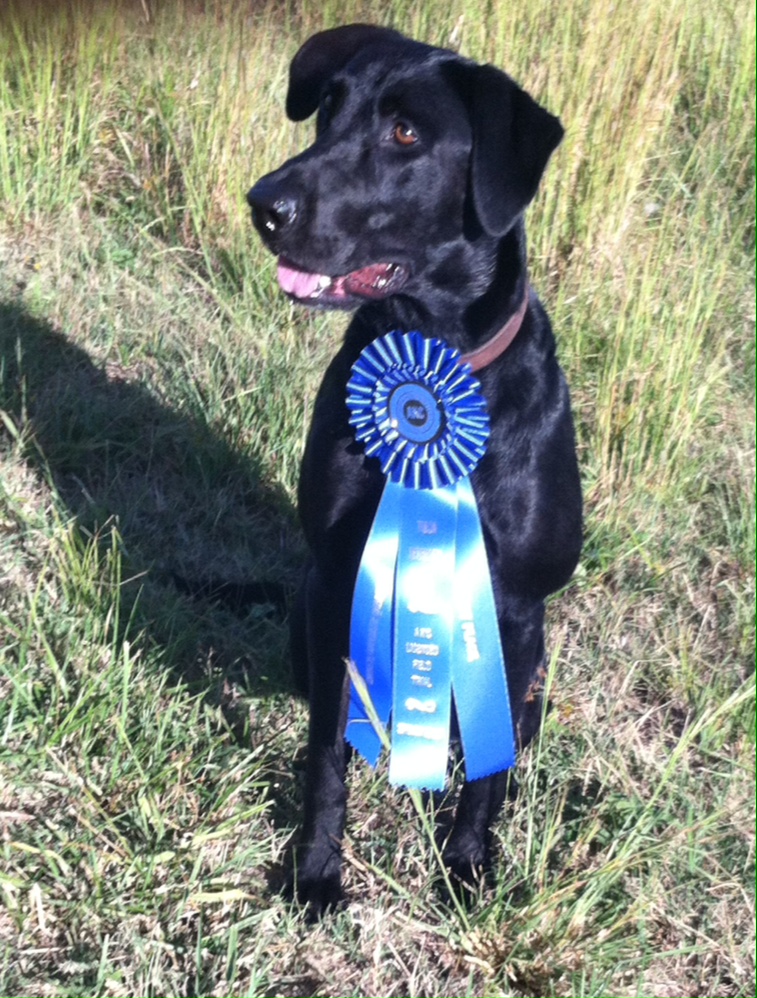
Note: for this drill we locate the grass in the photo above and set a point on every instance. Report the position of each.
(154, 395)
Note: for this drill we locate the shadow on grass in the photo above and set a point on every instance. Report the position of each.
(185, 504)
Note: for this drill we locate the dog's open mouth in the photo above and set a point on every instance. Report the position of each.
(377, 280)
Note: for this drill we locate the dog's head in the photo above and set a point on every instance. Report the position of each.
(420, 158)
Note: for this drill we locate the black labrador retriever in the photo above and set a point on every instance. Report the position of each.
(409, 208)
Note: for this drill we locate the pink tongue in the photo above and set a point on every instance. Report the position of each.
(295, 282)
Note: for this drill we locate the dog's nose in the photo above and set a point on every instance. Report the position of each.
(272, 210)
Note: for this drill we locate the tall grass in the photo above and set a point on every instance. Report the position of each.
(154, 395)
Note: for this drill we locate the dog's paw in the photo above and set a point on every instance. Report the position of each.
(465, 871)
(319, 896)
(466, 860)
(315, 884)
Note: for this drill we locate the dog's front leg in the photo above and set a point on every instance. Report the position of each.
(466, 852)
(319, 855)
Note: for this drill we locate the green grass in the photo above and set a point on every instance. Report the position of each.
(154, 395)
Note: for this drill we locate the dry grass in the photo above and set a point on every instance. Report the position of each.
(154, 394)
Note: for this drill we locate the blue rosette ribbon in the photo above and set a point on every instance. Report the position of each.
(424, 624)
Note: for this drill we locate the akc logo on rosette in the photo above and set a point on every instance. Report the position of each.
(424, 625)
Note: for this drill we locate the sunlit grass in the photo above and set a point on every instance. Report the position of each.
(154, 395)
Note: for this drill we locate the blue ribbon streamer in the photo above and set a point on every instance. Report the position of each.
(424, 624)
(479, 678)
(423, 633)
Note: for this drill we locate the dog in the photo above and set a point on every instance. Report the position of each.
(408, 207)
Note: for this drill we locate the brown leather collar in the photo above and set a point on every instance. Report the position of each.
(501, 340)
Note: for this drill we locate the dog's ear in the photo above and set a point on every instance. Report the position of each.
(321, 56)
(513, 137)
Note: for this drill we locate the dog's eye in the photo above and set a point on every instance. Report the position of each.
(404, 134)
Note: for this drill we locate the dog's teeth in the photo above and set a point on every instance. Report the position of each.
(383, 279)
(323, 282)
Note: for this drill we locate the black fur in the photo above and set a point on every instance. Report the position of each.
(423, 161)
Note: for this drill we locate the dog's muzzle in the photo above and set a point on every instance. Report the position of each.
(274, 213)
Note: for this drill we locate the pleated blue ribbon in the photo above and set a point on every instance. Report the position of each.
(424, 624)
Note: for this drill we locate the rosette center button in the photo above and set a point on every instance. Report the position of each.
(415, 413)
